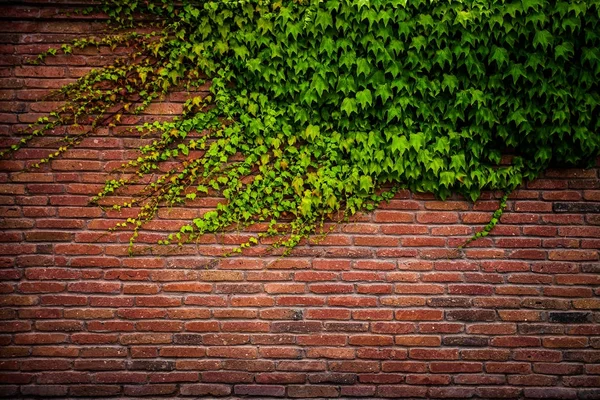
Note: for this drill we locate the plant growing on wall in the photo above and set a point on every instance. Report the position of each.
(316, 106)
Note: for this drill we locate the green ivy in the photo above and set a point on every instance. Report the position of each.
(316, 106)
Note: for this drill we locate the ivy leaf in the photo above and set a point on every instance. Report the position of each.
(312, 132)
(346, 84)
(565, 50)
(294, 30)
(348, 59)
(349, 106)
(363, 3)
(443, 56)
(194, 11)
(324, 20)
(399, 144)
(396, 46)
(542, 38)
(418, 43)
(447, 178)
(517, 117)
(517, 71)
(328, 46)
(527, 4)
(417, 140)
(450, 82)
(436, 164)
(305, 205)
(319, 85)
(366, 183)
(500, 55)
(394, 112)
(458, 162)
(383, 92)
(364, 98)
(363, 67)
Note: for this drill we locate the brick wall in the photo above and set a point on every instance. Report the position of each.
(385, 306)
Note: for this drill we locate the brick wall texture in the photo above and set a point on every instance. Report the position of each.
(386, 306)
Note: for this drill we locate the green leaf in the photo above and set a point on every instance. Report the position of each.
(447, 178)
(384, 92)
(417, 141)
(363, 67)
(450, 82)
(349, 106)
(418, 43)
(399, 144)
(364, 98)
(366, 183)
(312, 132)
(500, 56)
(564, 50)
(306, 206)
(319, 85)
(324, 20)
(543, 39)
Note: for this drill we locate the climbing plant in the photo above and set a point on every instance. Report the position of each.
(320, 109)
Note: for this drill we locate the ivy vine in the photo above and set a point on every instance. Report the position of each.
(316, 106)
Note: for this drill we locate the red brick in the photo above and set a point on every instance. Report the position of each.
(294, 391)
(205, 390)
(419, 315)
(330, 353)
(393, 391)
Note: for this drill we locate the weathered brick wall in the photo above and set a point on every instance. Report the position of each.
(385, 306)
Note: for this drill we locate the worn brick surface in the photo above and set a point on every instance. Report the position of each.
(386, 307)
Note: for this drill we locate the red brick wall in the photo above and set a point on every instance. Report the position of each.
(386, 306)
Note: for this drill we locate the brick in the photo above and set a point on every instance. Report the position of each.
(259, 390)
(532, 380)
(437, 217)
(145, 338)
(370, 340)
(373, 315)
(565, 342)
(569, 317)
(381, 353)
(465, 341)
(440, 327)
(576, 207)
(419, 315)
(95, 390)
(471, 315)
(557, 369)
(515, 341)
(280, 378)
(451, 392)
(231, 352)
(205, 390)
(303, 365)
(401, 391)
(99, 365)
(63, 377)
(550, 393)
(537, 355)
(433, 354)
(418, 341)
(485, 354)
(520, 315)
(44, 390)
(508, 368)
(330, 353)
(150, 390)
(294, 391)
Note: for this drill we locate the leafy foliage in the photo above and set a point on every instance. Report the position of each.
(318, 105)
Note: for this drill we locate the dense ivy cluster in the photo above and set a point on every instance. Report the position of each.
(317, 105)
